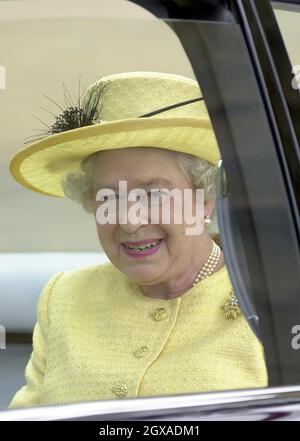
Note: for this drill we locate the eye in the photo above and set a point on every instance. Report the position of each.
(109, 197)
(154, 193)
(159, 195)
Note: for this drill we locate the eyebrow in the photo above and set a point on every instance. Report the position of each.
(154, 181)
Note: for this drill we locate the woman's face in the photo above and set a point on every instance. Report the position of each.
(137, 166)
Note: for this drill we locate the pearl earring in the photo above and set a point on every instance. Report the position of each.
(207, 220)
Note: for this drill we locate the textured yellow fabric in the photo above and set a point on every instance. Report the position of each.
(98, 336)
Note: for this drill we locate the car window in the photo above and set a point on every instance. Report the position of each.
(50, 54)
(287, 16)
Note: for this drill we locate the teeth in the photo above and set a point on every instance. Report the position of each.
(143, 247)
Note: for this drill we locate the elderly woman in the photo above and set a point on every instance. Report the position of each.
(160, 317)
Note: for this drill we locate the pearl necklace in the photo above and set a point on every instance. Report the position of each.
(231, 309)
(209, 265)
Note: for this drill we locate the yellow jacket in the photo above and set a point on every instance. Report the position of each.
(99, 337)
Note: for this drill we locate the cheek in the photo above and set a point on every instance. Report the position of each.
(106, 235)
(177, 207)
(170, 233)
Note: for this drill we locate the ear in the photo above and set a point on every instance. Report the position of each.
(209, 208)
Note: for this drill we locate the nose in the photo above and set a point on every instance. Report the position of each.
(132, 220)
(130, 228)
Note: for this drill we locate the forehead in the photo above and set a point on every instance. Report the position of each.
(139, 166)
(136, 154)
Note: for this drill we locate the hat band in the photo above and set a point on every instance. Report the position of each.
(173, 106)
(72, 118)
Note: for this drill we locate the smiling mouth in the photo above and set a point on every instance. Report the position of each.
(147, 245)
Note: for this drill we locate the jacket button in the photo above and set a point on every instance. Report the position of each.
(141, 352)
(160, 314)
(120, 391)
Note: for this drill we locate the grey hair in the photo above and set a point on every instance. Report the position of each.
(201, 174)
(79, 186)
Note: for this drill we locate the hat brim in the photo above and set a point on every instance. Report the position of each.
(42, 165)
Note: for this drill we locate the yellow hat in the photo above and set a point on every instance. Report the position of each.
(131, 109)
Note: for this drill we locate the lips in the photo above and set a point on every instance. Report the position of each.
(141, 247)
(142, 242)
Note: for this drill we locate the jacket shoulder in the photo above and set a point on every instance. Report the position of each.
(90, 274)
(86, 282)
